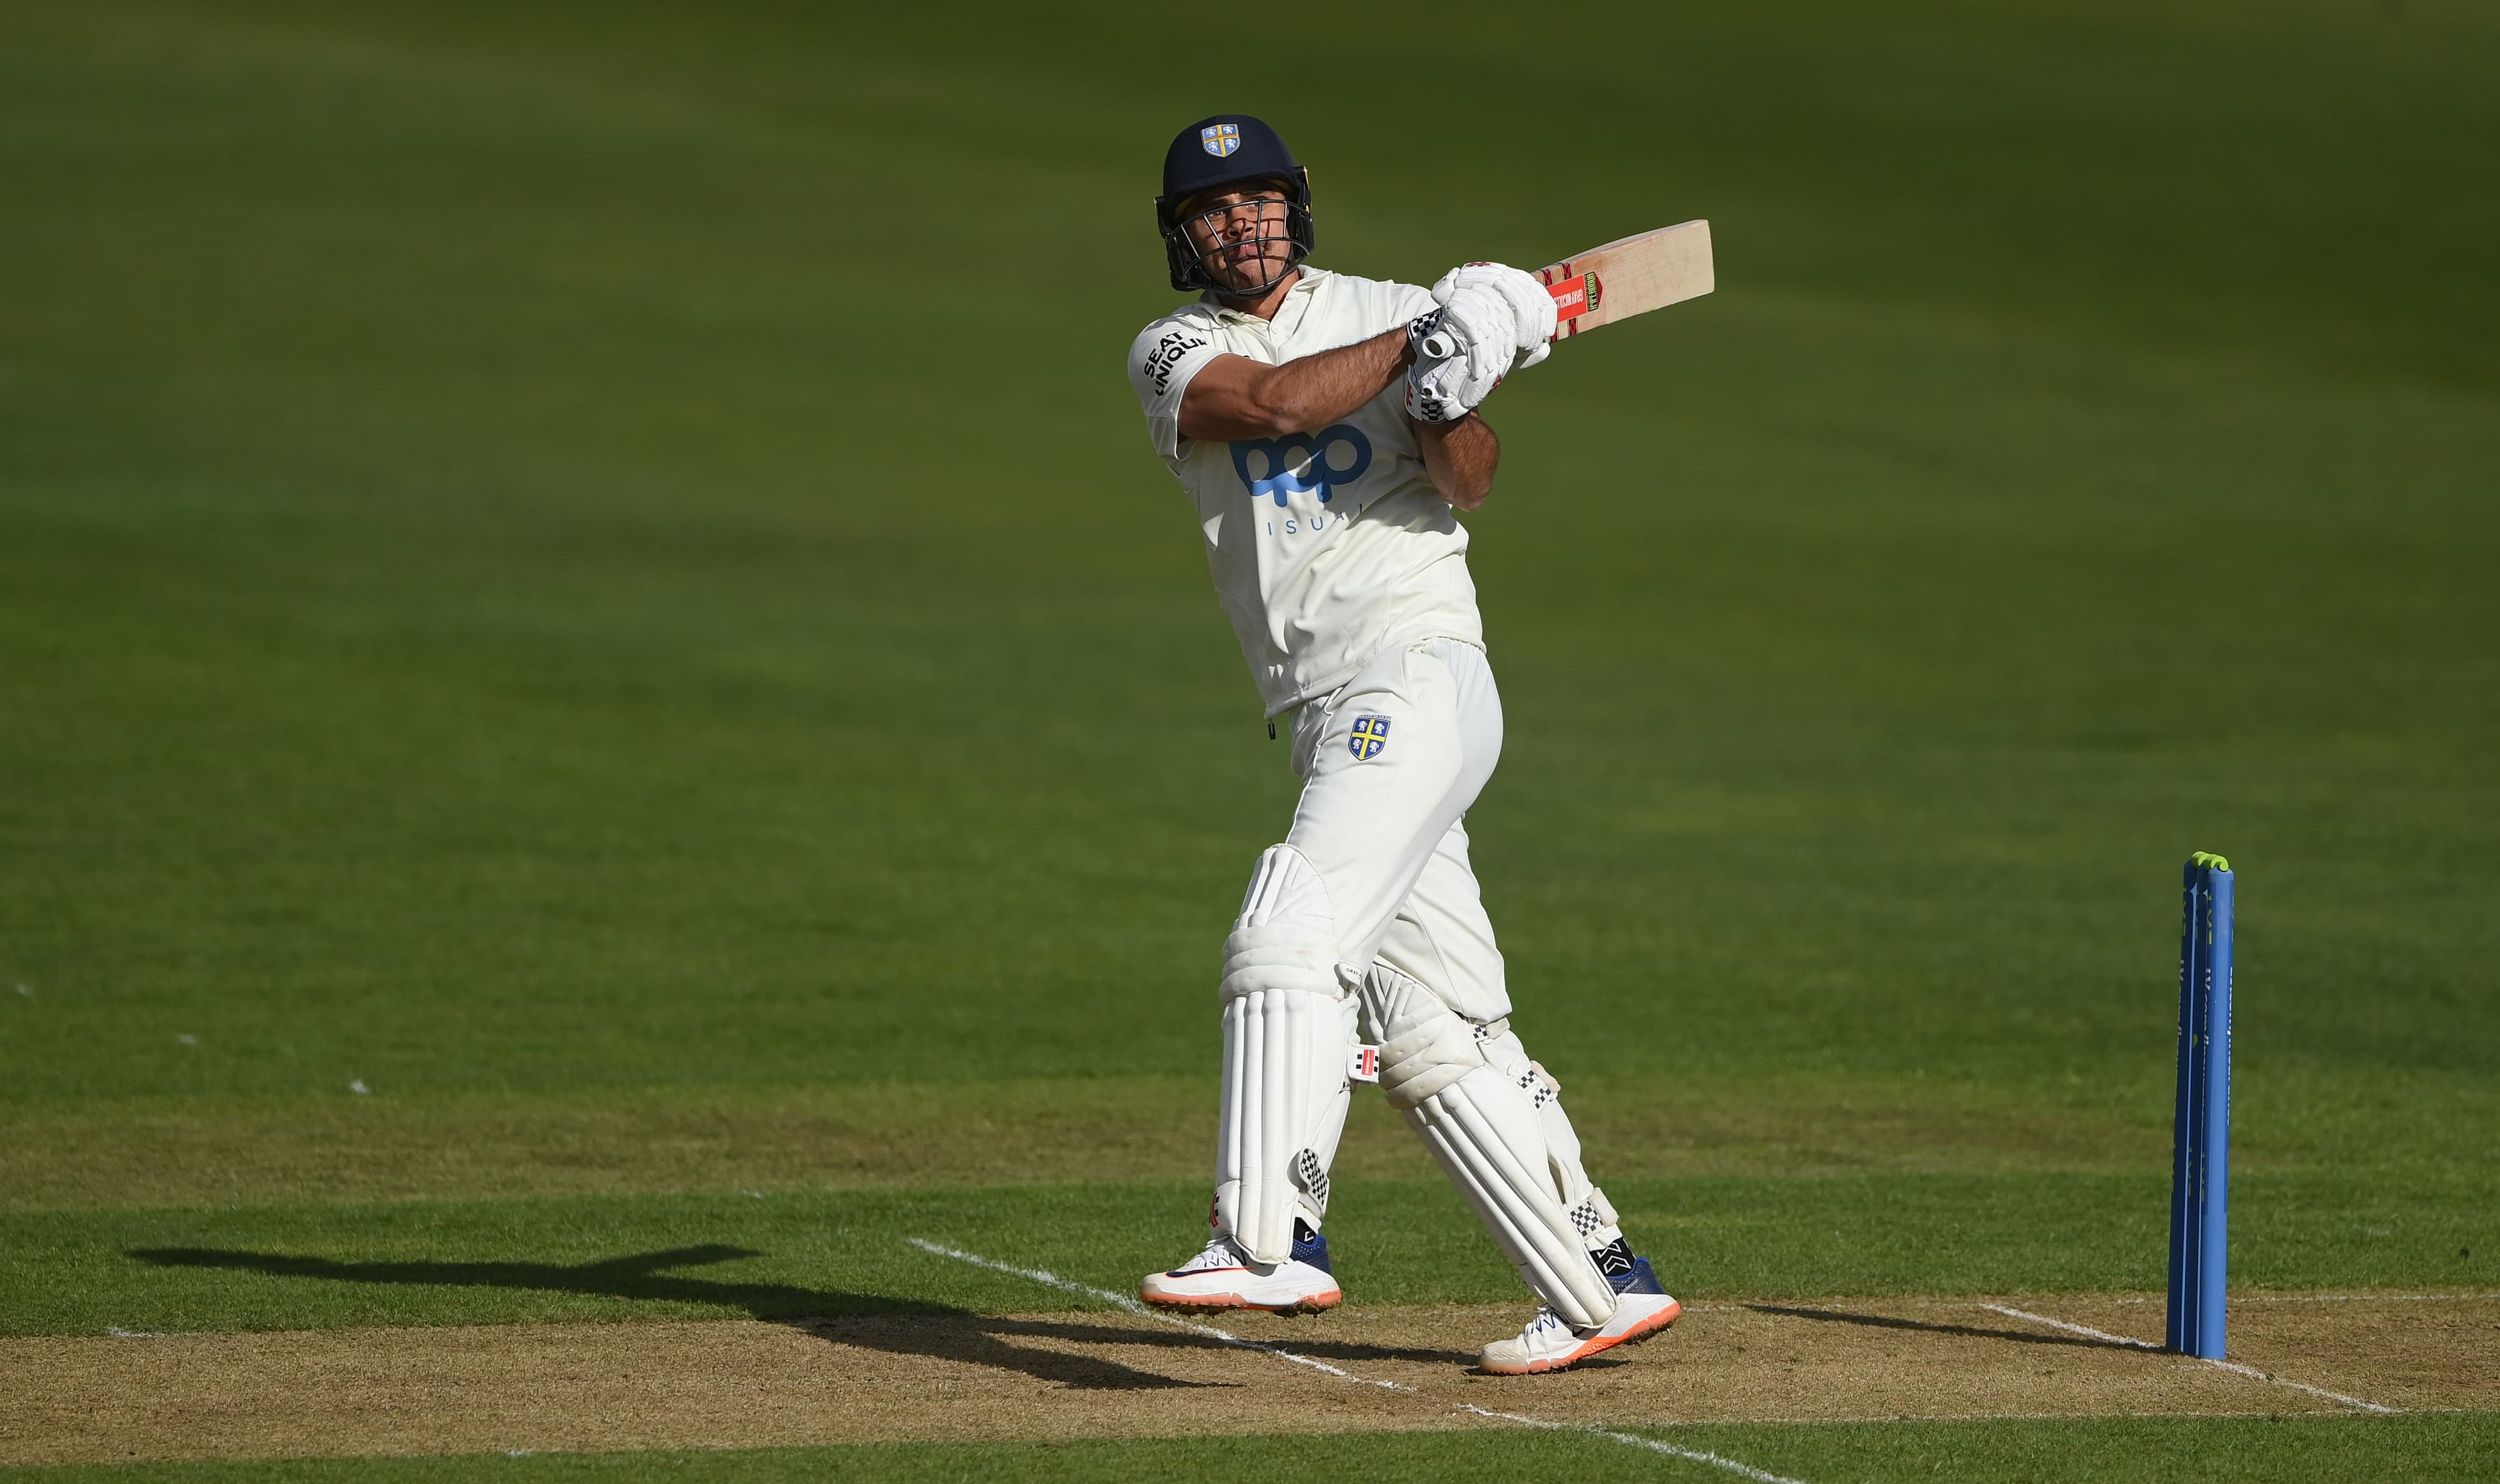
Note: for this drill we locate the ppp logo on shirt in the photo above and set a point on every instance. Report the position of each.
(1299, 463)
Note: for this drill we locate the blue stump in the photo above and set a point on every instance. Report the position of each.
(2200, 1157)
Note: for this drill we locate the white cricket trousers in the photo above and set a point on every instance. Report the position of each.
(1381, 812)
(1390, 764)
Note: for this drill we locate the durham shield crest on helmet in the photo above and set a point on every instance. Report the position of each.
(1220, 139)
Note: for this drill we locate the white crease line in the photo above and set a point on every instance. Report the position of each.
(1131, 1305)
(2233, 1367)
(1635, 1440)
(2103, 1336)
(2254, 1373)
(1123, 1300)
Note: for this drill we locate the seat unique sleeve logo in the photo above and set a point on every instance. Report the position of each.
(1164, 358)
(1301, 463)
(1370, 735)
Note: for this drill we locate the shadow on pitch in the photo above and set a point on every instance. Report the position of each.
(896, 1327)
(1925, 1327)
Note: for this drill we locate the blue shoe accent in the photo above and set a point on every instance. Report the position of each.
(1311, 1247)
(1638, 1279)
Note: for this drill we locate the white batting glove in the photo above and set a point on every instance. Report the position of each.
(1531, 308)
(1460, 355)
(1436, 359)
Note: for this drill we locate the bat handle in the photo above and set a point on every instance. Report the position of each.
(1440, 345)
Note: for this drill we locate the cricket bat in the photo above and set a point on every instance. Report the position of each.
(1629, 276)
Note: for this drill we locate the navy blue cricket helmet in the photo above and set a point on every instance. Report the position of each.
(1227, 150)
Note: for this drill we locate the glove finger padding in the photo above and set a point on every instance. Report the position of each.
(1531, 306)
(1488, 351)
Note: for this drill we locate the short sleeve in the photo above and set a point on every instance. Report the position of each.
(1410, 302)
(1161, 360)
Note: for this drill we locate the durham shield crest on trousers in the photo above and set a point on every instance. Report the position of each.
(1370, 735)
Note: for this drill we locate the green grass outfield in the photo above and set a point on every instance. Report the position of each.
(2222, 1449)
(590, 572)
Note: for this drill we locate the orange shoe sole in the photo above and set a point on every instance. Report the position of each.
(1600, 1344)
(1219, 1302)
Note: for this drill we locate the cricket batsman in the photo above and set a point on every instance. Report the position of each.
(1327, 448)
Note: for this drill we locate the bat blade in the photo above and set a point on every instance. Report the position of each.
(1630, 275)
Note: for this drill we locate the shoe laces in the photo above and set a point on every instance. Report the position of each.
(1547, 1327)
(1220, 1253)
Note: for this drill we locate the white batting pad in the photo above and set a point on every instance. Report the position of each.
(1589, 1209)
(1288, 1043)
(1488, 1131)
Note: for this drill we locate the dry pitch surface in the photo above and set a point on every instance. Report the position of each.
(1106, 1374)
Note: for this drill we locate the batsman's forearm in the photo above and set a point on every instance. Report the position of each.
(1462, 457)
(1304, 395)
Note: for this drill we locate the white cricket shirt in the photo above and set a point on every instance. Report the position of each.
(1328, 546)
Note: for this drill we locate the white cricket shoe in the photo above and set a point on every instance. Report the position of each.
(1222, 1278)
(1642, 1310)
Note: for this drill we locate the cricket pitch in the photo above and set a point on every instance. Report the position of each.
(1095, 1374)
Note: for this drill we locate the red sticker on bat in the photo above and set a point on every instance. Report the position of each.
(1573, 296)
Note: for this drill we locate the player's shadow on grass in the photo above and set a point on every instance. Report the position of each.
(901, 1327)
(1927, 1326)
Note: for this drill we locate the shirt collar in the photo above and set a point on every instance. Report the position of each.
(1289, 314)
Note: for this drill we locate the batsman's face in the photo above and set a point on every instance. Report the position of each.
(1240, 236)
